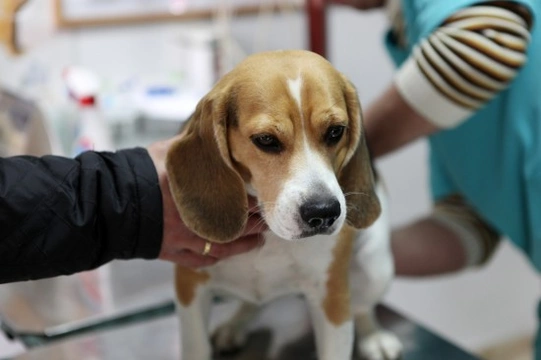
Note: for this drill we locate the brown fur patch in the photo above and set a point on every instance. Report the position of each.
(337, 304)
(186, 282)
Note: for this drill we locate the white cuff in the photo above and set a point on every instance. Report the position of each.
(470, 241)
(424, 98)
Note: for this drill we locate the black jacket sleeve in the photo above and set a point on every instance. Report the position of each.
(59, 216)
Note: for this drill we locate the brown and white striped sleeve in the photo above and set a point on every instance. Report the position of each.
(465, 62)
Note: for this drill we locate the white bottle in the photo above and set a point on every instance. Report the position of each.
(92, 131)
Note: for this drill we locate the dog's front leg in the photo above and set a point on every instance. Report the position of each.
(194, 320)
(231, 335)
(373, 341)
(334, 332)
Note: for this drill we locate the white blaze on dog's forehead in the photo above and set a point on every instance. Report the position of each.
(295, 89)
(295, 86)
(311, 168)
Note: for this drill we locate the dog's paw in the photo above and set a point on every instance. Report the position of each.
(228, 338)
(381, 345)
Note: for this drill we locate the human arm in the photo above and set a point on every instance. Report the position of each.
(451, 238)
(390, 123)
(433, 92)
(451, 74)
(425, 248)
(59, 216)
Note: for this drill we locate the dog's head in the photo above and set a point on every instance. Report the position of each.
(285, 127)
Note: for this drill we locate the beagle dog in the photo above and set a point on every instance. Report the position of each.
(285, 127)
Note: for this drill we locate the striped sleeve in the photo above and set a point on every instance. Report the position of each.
(464, 63)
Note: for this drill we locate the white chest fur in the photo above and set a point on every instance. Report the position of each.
(279, 267)
(282, 267)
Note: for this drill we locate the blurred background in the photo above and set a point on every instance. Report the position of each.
(107, 74)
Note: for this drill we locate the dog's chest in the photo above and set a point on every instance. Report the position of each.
(279, 267)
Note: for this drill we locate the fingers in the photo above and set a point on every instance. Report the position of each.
(222, 251)
(239, 246)
(189, 259)
(186, 248)
(192, 253)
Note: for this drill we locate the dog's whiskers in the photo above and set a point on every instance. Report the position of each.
(256, 225)
(254, 208)
(356, 193)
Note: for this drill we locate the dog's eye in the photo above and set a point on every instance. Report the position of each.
(267, 143)
(334, 134)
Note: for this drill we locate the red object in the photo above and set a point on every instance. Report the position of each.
(317, 22)
(87, 101)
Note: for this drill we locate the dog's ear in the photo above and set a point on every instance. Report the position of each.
(357, 177)
(209, 194)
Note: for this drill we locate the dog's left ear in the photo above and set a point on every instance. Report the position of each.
(357, 177)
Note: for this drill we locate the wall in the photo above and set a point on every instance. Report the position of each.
(473, 309)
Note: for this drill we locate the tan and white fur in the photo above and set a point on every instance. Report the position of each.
(285, 127)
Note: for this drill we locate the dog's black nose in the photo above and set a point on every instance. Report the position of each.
(320, 214)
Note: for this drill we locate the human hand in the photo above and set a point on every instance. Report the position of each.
(180, 245)
(361, 4)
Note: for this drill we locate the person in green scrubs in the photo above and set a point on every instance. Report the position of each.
(469, 79)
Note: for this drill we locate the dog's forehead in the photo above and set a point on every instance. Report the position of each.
(265, 68)
(276, 83)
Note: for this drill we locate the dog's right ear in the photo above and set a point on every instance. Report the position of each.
(209, 193)
(357, 176)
